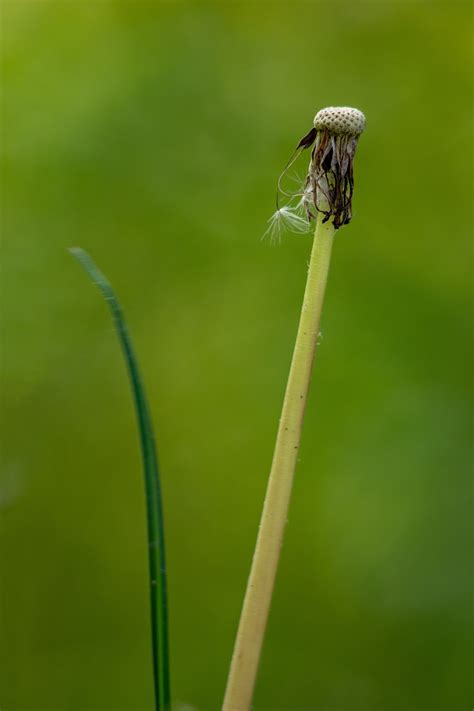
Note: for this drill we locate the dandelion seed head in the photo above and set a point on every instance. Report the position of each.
(340, 120)
(329, 183)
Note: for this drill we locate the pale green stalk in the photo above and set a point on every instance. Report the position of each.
(253, 620)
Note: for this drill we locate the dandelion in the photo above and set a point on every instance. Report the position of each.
(330, 180)
(326, 197)
(329, 184)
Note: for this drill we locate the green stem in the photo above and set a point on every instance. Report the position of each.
(155, 527)
(253, 620)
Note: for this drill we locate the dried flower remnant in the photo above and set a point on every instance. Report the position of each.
(329, 184)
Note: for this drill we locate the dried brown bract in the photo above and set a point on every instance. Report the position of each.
(329, 184)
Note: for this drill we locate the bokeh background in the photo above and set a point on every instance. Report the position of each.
(151, 134)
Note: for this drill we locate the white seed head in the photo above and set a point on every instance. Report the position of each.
(339, 120)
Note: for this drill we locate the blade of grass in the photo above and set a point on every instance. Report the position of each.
(155, 526)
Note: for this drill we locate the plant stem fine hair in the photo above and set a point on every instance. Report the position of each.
(326, 197)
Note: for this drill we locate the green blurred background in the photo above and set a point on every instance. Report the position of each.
(151, 134)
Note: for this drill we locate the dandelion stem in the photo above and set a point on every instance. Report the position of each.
(253, 620)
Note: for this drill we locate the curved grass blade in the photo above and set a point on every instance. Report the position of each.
(156, 547)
